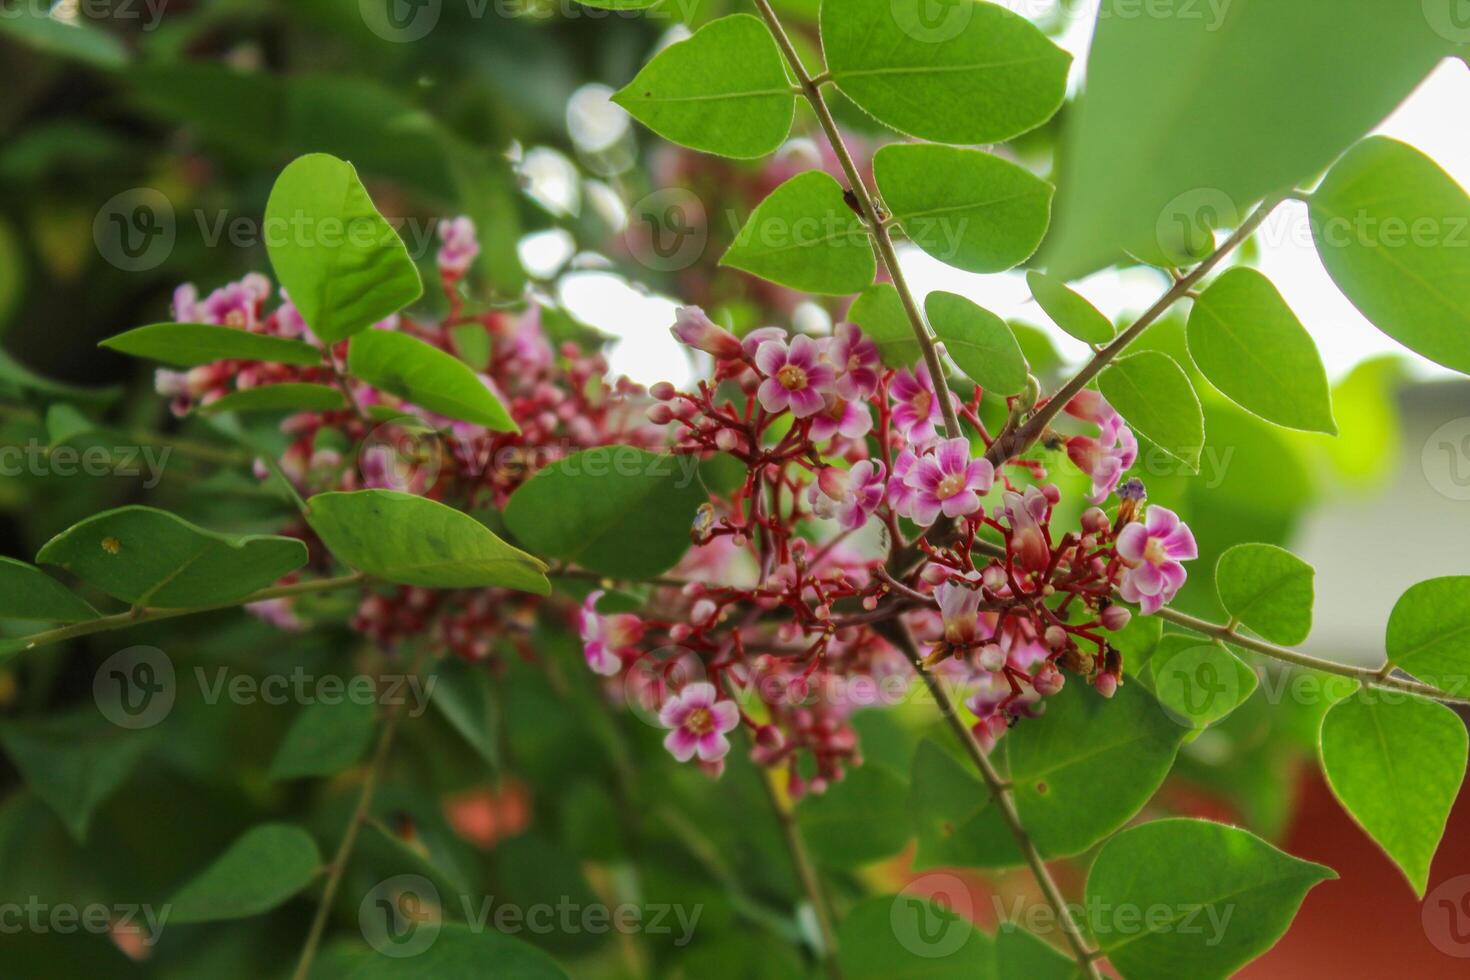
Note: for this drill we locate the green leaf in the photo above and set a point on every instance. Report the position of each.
(803, 235)
(426, 376)
(79, 40)
(192, 344)
(286, 397)
(465, 696)
(1020, 954)
(860, 819)
(1396, 763)
(951, 72)
(1054, 764)
(1185, 121)
(614, 510)
(1429, 630)
(1197, 682)
(1391, 228)
(1153, 393)
(724, 90)
(343, 265)
(916, 938)
(1069, 309)
(65, 422)
(409, 540)
(1251, 346)
(473, 345)
(28, 593)
(74, 762)
(967, 208)
(1268, 589)
(462, 952)
(328, 735)
(1237, 893)
(880, 313)
(14, 374)
(259, 871)
(151, 557)
(980, 342)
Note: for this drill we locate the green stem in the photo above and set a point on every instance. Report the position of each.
(360, 816)
(806, 873)
(898, 633)
(811, 86)
(137, 617)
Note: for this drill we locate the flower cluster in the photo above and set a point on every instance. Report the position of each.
(862, 524)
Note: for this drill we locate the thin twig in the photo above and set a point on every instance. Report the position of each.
(806, 873)
(898, 633)
(137, 617)
(882, 241)
(360, 815)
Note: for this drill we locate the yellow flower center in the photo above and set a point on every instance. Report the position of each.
(921, 402)
(951, 485)
(792, 378)
(700, 722)
(1154, 552)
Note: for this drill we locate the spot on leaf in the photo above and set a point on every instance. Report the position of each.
(111, 545)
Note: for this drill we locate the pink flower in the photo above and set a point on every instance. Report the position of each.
(796, 378)
(901, 495)
(1107, 457)
(959, 605)
(460, 247)
(695, 329)
(235, 304)
(850, 418)
(1026, 513)
(1153, 552)
(916, 409)
(699, 723)
(949, 481)
(605, 637)
(854, 358)
(752, 341)
(851, 496)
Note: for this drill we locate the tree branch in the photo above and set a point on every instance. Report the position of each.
(898, 634)
(119, 621)
(811, 87)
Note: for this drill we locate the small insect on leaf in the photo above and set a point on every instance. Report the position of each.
(112, 546)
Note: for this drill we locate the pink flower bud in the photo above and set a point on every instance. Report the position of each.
(992, 657)
(703, 611)
(694, 329)
(1115, 617)
(1095, 521)
(1106, 684)
(728, 440)
(1056, 637)
(769, 737)
(660, 414)
(993, 578)
(1048, 681)
(1052, 493)
(662, 391)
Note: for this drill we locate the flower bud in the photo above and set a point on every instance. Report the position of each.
(660, 414)
(993, 578)
(1095, 521)
(769, 737)
(694, 329)
(992, 657)
(1106, 684)
(1048, 681)
(728, 440)
(662, 391)
(1056, 637)
(1115, 617)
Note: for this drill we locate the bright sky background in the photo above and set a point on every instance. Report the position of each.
(646, 353)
